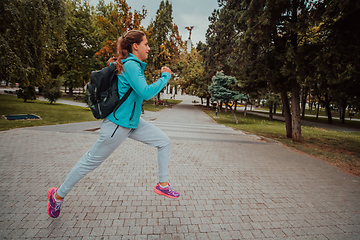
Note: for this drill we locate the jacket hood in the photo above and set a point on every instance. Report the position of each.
(134, 58)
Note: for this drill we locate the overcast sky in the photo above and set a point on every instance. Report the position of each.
(185, 13)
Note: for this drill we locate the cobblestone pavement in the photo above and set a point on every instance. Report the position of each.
(232, 186)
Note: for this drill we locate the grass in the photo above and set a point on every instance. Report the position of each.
(74, 97)
(336, 122)
(149, 105)
(50, 114)
(322, 112)
(341, 149)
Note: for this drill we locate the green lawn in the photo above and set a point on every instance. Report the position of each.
(309, 116)
(322, 112)
(339, 148)
(50, 114)
(149, 105)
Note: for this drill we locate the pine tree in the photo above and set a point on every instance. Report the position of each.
(221, 90)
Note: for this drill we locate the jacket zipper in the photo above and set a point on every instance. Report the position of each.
(133, 111)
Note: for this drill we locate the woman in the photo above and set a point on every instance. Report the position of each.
(132, 50)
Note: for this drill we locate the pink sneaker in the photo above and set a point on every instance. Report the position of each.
(168, 191)
(53, 207)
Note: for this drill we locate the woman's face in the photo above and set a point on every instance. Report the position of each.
(141, 50)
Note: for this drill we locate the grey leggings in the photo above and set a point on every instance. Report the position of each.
(111, 136)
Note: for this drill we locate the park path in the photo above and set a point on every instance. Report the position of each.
(232, 185)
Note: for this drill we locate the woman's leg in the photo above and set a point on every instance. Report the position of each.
(153, 136)
(111, 136)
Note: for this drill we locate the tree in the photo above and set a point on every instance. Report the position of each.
(52, 90)
(164, 41)
(77, 59)
(115, 19)
(29, 33)
(269, 40)
(192, 78)
(221, 90)
(337, 63)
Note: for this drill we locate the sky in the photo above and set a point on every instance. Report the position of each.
(185, 13)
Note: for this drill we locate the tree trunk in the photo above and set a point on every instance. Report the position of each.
(232, 111)
(303, 103)
(327, 108)
(295, 88)
(343, 110)
(317, 111)
(158, 96)
(245, 109)
(275, 105)
(70, 91)
(295, 110)
(286, 113)
(207, 102)
(270, 111)
(328, 113)
(235, 105)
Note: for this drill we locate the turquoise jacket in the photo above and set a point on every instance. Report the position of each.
(129, 112)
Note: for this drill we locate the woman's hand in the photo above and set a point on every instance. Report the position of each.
(166, 69)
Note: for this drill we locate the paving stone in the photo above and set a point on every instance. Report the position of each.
(245, 187)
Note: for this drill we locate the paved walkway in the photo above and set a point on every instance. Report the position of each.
(232, 186)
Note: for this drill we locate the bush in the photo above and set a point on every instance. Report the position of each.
(26, 93)
(52, 90)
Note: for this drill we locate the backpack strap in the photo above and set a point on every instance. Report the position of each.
(123, 99)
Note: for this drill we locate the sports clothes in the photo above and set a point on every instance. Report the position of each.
(53, 207)
(167, 191)
(129, 112)
(111, 136)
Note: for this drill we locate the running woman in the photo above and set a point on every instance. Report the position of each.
(132, 50)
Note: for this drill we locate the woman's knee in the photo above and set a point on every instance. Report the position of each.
(165, 142)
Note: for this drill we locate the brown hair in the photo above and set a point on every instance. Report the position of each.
(124, 48)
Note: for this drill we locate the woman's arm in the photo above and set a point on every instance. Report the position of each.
(133, 73)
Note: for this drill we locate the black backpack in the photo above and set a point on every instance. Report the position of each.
(102, 92)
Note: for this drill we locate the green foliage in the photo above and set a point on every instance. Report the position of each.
(276, 46)
(76, 61)
(52, 90)
(221, 88)
(161, 28)
(164, 41)
(26, 93)
(30, 30)
(337, 61)
(192, 79)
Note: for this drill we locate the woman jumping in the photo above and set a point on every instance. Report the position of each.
(132, 50)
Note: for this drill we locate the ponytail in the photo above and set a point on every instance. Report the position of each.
(124, 48)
